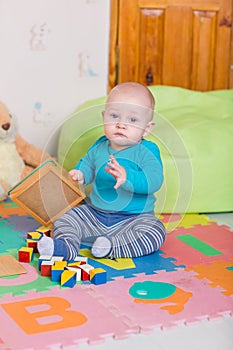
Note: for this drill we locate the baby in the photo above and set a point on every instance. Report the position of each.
(125, 171)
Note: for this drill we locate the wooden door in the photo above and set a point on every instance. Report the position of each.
(184, 43)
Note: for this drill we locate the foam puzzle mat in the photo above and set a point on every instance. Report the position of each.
(188, 280)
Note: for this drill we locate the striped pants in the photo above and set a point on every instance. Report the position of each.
(132, 237)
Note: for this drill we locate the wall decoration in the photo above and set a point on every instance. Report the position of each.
(85, 65)
(39, 116)
(39, 37)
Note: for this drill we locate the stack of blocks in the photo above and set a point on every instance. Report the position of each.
(68, 273)
(25, 254)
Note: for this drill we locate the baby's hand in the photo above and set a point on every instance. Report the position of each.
(116, 170)
(77, 175)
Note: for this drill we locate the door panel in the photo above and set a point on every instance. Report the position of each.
(151, 44)
(204, 39)
(183, 43)
(177, 53)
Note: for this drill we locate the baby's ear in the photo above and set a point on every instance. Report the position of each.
(149, 128)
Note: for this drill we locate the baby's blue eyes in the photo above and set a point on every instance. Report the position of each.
(130, 119)
(114, 116)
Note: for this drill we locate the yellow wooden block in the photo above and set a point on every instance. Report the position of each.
(96, 271)
(26, 249)
(98, 276)
(59, 265)
(34, 235)
(77, 271)
(73, 264)
(68, 278)
(44, 230)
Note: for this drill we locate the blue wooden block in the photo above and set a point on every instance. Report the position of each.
(98, 276)
(68, 278)
(57, 270)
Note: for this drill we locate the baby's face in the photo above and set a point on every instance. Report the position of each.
(125, 124)
(128, 115)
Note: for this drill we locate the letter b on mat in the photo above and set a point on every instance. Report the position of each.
(52, 307)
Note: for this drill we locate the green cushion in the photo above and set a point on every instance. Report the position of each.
(194, 132)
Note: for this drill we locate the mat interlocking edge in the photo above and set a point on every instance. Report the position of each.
(194, 265)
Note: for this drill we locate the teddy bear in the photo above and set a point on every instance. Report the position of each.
(18, 158)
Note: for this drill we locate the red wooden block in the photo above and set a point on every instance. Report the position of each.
(85, 274)
(46, 267)
(32, 244)
(25, 254)
(44, 230)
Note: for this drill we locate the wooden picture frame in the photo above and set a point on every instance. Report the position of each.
(47, 193)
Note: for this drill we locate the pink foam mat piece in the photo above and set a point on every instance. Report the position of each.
(61, 317)
(31, 275)
(195, 300)
(218, 237)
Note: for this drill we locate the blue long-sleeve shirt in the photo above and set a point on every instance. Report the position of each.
(144, 172)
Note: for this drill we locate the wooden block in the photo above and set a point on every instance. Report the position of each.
(68, 278)
(25, 254)
(44, 230)
(56, 274)
(47, 193)
(60, 264)
(74, 264)
(46, 268)
(35, 235)
(82, 259)
(57, 269)
(43, 258)
(85, 271)
(57, 258)
(32, 244)
(98, 276)
(77, 270)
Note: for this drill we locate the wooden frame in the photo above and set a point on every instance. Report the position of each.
(47, 193)
(113, 44)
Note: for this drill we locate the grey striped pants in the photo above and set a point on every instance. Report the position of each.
(132, 237)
